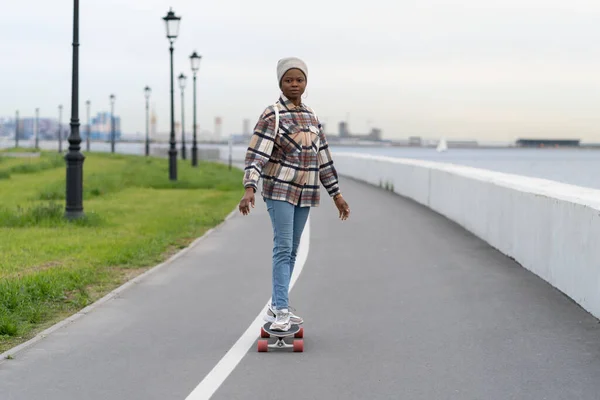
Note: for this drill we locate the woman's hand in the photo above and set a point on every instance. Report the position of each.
(247, 201)
(342, 207)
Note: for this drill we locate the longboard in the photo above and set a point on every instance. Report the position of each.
(295, 330)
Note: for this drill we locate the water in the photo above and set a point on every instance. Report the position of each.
(573, 166)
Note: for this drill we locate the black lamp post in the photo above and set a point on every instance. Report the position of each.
(74, 158)
(182, 80)
(112, 123)
(89, 128)
(37, 128)
(195, 59)
(172, 24)
(147, 92)
(60, 128)
(17, 129)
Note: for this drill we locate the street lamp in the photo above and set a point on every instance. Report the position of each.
(182, 79)
(172, 25)
(147, 92)
(37, 128)
(74, 158)
(17, 129)
(89, 128)
(112, 123)
(195, 59)
(60, 128)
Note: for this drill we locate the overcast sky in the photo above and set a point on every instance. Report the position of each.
(483, 69)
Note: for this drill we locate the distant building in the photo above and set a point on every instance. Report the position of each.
(415, 141)
(26, 127)
(48, 128)
(343, 130)
(375, 134)
(153, 124)
(548, 143)
(344, 133)
(101, 127)
(218, 126)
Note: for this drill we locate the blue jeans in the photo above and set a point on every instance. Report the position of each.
(288, 223)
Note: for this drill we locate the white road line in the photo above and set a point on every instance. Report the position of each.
(231, 359)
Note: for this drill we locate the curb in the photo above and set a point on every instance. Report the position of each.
(7, 355)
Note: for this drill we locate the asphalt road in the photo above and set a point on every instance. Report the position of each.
(399, 303)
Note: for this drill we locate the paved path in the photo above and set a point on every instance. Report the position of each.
(399, 303)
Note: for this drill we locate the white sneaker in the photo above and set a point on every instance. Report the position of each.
(282, 321)
(270, 316)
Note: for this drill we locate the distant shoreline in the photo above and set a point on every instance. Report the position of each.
(357, 144)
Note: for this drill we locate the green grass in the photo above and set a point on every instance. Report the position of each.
(20, 150)
(134, 218)
(28, 165)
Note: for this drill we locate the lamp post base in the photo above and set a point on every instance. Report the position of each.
(74, 206)
(74, 214)
(194, 156)
(173, 164)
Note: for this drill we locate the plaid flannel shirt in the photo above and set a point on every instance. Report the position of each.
(291, 159)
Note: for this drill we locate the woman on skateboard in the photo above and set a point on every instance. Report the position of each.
(288, 149)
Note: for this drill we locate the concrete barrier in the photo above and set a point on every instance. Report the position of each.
(550, 228)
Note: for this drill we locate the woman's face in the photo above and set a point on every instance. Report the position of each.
(293, 84)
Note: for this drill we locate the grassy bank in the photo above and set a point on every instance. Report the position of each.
(135, 218)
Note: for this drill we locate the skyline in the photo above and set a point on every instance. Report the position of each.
(100, 126)
(498, 71)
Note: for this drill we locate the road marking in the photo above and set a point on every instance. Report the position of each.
(231, 359)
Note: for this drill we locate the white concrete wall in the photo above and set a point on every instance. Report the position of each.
(550, 228)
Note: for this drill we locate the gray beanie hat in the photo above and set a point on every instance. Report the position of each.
(285, 64)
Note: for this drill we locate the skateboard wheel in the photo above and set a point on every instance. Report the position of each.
(263, 346)
(298, 346)
(299, 334)
(264, 334)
